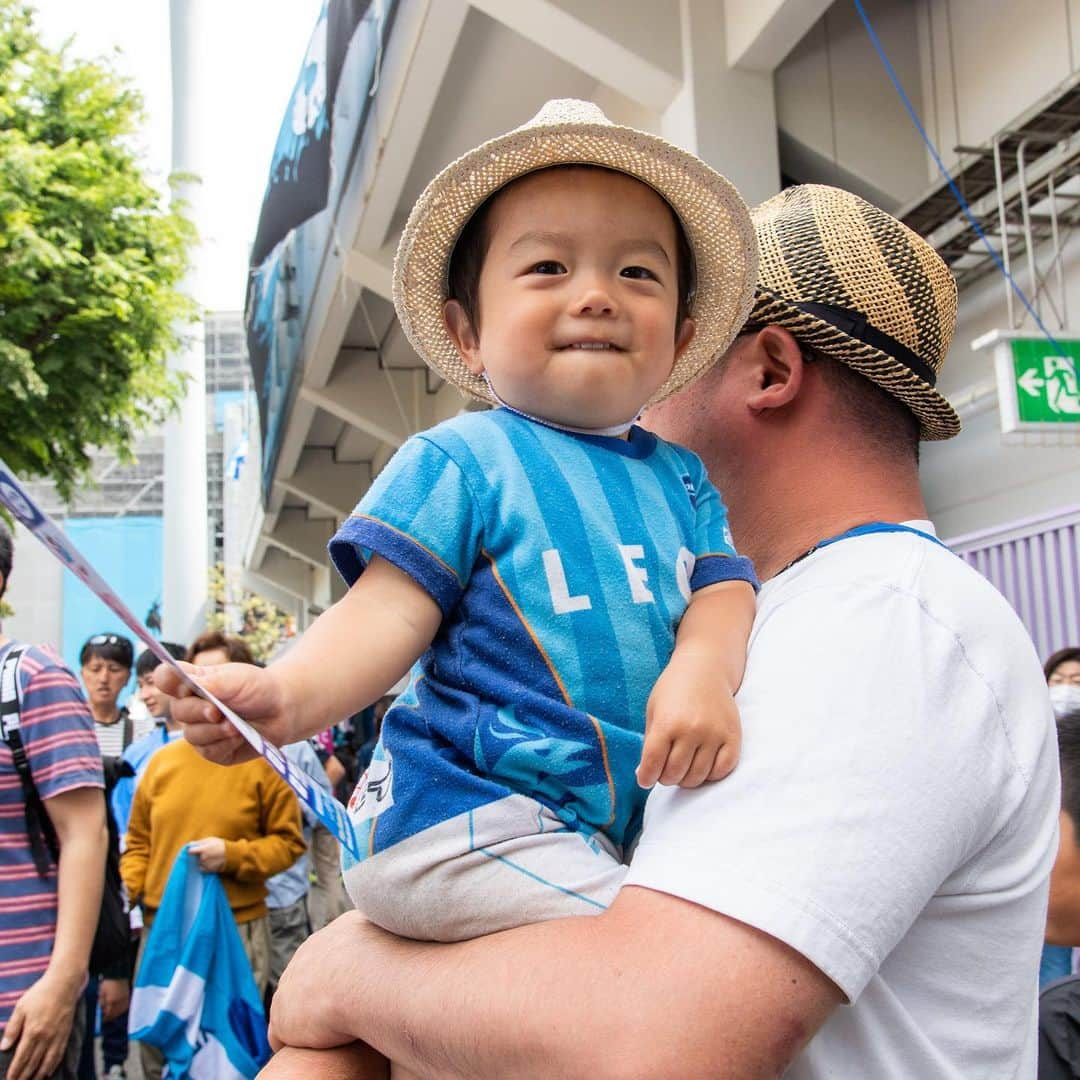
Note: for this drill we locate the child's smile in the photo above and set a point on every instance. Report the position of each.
(578, 298)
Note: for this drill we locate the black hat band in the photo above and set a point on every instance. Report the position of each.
(855, 325)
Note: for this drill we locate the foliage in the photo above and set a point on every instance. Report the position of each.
(90, 263)
(263, 625)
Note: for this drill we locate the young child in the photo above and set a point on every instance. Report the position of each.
(565, 579)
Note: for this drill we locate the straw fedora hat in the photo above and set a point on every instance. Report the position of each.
(852, 282)
(567, 132)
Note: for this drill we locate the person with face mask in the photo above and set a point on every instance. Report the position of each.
(1059, 1000)
(1063, 678)
(1062, 670)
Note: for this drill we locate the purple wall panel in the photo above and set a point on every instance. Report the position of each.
(1038, 572)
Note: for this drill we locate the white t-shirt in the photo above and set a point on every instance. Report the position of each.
(894, 814)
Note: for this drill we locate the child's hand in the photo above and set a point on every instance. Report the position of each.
(692, 730)
(252, 692)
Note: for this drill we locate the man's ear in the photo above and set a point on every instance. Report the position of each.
(778, 369)
(464, 335)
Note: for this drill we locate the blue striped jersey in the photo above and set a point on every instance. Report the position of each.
(562, 564)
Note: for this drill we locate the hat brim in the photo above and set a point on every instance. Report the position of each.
(713, 215)
(937, 418)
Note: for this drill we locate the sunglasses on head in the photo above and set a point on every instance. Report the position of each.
(107, 639)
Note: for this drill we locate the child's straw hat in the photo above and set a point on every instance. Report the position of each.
(713, 215)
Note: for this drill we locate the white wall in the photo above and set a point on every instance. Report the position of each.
(647, 27)
(1000, 57)
(975, 481)
(834, 98)
(971, 67)
(35, 593)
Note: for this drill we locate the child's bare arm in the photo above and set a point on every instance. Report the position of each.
(349, 657)
(692, 731)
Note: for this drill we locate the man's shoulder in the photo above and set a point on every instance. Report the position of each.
(45, 680)
(903, 562)
(36, 659)
(932, 584)
(906, 608)
(143, 747)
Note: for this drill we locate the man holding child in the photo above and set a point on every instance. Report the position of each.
(891, 820)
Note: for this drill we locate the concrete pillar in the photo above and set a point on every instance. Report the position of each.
(727, 116)
(186, 540)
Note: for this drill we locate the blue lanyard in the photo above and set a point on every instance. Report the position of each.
(864, 530)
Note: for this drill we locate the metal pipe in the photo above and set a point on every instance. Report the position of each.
(1029, 240)
(1059, 255)
(976, 399)
(1003, 229)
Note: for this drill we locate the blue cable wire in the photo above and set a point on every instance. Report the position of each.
(948, 179)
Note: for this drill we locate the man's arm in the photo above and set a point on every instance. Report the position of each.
(1063, 911)
(41, 1021)
(281, 841)
(656, 986)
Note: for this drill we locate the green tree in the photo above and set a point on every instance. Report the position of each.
(90, 263)
(264, 626)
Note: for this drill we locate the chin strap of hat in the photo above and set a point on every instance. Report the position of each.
(615, 430)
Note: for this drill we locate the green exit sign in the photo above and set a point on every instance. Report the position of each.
(1047, 391)
(1038, 386)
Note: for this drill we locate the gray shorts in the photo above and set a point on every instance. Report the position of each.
(289, 930)
(509, 863)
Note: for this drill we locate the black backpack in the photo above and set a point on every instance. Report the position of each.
(109, 953)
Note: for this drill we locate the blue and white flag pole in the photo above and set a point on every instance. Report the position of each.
(19, 501)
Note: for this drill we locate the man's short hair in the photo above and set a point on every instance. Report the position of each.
(112, 647)
(884, 421)
(236, 649)
(148, 661)
(7, 554)
(1068, 729)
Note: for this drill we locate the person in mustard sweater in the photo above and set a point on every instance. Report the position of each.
(242, 823)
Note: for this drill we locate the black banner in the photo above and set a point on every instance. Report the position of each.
(299, 188)
(300, 168)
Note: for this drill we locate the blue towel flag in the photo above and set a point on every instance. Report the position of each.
(195, 997)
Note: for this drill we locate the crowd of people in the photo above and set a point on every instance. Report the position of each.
(84, 876)
(845, 865)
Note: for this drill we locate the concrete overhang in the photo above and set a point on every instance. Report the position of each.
(453, 73)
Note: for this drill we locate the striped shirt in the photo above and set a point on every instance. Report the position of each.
(110, 737)
(58, 735)
(562, 564)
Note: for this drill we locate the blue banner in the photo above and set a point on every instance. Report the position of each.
(195, 997)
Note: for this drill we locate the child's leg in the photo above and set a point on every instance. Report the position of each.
(505, 864)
